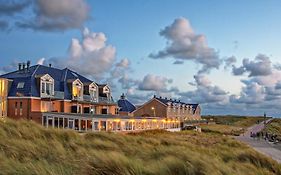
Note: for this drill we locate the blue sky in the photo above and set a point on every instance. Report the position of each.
(243, 29)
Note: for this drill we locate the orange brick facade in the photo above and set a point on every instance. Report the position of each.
(158, 109)
(32, 108)
(152, 109)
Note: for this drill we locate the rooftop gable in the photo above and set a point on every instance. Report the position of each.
(29, 77)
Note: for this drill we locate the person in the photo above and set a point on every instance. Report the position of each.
(266, 136)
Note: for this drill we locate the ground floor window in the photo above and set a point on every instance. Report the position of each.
(104, 111)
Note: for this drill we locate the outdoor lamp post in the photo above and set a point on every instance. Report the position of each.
(264, 116)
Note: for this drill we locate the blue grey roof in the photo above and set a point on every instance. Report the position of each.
(60, 76)
(166, 101)
(124, 105)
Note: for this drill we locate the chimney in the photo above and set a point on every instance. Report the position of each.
(23, 66)
(28, 65)
(154, 96)
(165, 98)
(19, 66)
(160, 97)
(50, 65)
(123, 96)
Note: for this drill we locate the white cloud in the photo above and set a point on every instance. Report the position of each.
(229, 61)
(90, 56)
(154, 83)
(124, 63)
(205, 92)
(184, 44)
(54, 15)
(261, 66)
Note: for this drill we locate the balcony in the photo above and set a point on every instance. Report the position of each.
(57, 95)
(88, 98)
(105, 100)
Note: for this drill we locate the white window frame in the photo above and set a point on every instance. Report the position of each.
(94, 88)
(45, 81)
(107, 91)
(75, 83)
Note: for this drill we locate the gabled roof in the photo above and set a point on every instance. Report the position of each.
(28, 77)
(166, 101)
(124, 105)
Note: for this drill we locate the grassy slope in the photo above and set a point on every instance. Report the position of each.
(230, 125)
(27, 148)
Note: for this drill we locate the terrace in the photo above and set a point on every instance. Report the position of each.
(114, 123)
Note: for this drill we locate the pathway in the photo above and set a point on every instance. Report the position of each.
(260, 145)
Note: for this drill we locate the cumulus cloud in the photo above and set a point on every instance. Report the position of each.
(261, 66)
(278, 85)
(124, 63)
(184, 44)
(137, 98)
(54, 15)
(229, 61)
(252, 93)
(120, 72)
(154, 83)
(260, 92)
(9, 8)
(90, 56)
(205, 92)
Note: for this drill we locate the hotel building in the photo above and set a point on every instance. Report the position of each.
(62, 98)
(169, 109)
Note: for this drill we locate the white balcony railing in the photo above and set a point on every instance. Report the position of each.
(56, 95)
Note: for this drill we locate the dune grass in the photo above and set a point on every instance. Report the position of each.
(230, 125)
(223, 129)
(239, 121)
(27, 148)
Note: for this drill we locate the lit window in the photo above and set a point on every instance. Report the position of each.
(20, 108)
(20, 85)
(116, 111)
(16, 108)
(77, 89)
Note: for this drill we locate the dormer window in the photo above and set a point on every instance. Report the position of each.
(106, 90)
(105, 93)
(93, 91)
(20, 85)
(77, 90)
(47, 86)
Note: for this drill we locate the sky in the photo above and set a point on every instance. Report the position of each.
(222, 54)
